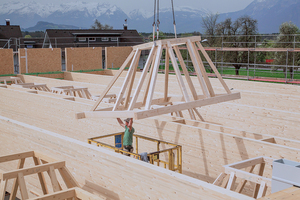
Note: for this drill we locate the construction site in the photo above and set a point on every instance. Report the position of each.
(205, 138)
(196, 136)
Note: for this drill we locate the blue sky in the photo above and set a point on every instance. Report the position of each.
(220, 6)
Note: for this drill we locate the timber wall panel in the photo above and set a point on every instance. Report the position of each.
(6, 61)
(98, 170)
(115, 56)
(87, 58)
(40, 60)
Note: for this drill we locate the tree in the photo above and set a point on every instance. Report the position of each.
(209, 24)
(286, 38)
(242, 29)
(98, 25)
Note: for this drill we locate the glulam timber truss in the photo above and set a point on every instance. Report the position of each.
(142, 105)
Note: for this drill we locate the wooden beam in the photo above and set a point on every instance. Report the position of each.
(149, 78)
(32, 170)
(41, 176)
(167, 63)
(249, 177)
(203, 71)
(186, 73)
(16, 156)
(127, 78)
(53, 178)
(22, 185)
(246, 163)
(242, 184)
(142, 79)
(211, 64)
(65, 194)
(231, 181)
(197, 68)
(129, 89)
(3, 188)
(16, 182)
(67, 175)
(185, 106)
(113, 80)
(179, 78)
(153, 78)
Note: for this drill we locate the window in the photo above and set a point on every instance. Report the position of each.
(81, 39)
(104, 39)
(92, 39)
(114, 39)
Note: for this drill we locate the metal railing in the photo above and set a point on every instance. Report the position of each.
(173, 160)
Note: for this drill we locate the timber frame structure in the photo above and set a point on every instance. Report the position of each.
(126, 105)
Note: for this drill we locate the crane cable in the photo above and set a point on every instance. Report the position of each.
(174, 19)
(158, 22)
(154, 20)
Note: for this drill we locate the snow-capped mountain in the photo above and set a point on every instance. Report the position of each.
(270, 14)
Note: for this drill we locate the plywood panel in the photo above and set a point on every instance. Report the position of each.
(83, 58)
(115, 56)
(39, 60)
(6, 61)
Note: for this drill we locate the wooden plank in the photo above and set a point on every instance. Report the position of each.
(127, 78)
(242, 184)
(249, 177)
(186, 73)
(22, 185)
(197, 68)
(32, 170)
(129, 90)
(257, 185)
(231, 181)
(185, 106)
(3, 189)
(167, 63)
(203, 71)
(142, 79)
(154, 77)
(262, 190)
(113, 80)
(60, 195)
(41, 176)
(53, 178)
(179, 78)
(219, 179)
(16, 182)
(149, 78)
(68, 176)
(225, 181)
(211, 64)
(174, 41)
(246, 163)
(16, 156)
(82, 194)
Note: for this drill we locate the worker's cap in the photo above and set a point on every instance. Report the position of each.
(127, 120)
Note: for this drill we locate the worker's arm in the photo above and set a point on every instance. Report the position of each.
(121, 122)
(130, 124)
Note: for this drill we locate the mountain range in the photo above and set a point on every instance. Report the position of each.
(269, 14)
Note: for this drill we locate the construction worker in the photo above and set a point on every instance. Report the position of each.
(128, 134)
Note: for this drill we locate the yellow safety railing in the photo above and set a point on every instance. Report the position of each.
(173, 163)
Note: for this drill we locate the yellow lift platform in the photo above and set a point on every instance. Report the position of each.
(171, 157)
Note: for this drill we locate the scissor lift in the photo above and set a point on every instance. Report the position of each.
(168, 157)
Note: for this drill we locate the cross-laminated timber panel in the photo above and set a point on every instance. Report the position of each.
(7, 62)
(83, 58)
(115, 56)
(39, 60)
(203, 157)
(101, 171)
